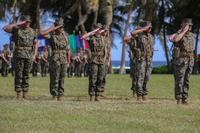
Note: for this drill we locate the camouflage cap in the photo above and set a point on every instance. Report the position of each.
(145, 23)
(187, 21)
(109, 2)
(6, 45)
(25, 18)
(105, 27)
(59, 22)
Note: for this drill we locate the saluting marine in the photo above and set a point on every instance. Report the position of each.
(59, 44)
(26, 46)
(97, 57)
(141, 45)
(183, 54)
(6, 56)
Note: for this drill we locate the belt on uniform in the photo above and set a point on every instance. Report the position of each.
(185, 54)
(59, 51)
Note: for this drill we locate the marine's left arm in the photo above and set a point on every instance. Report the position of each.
(105, 53)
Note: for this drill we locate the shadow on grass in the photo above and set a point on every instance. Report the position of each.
(80, 98)
(7, 97)
(161, 98)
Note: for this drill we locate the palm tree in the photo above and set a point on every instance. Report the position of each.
(122, 66)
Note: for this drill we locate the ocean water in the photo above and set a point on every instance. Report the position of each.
(127, 63)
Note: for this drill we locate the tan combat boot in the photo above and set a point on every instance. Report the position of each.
(91, 98)
(25, 95)
(19, 95)
(139, 98)
(97, 98)
(185, 101)
(60, 98)
(144, 98)
(179, 101)
(54, 98)
(134, 94)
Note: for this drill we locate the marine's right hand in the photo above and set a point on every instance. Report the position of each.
(186, 28)
(147, 27)
(126, 39)
(57, 27)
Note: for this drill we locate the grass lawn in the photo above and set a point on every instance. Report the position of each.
(118, 114)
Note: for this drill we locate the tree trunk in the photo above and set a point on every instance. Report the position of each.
(122, 66)
(34, 10)
(14, 17)
(38, 15)
(166, 50)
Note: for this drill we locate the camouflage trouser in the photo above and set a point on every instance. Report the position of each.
(13, 67)
(22, 69)
(5, 69)
(70, 69)
(142, 73)
(77, 69)
(106, 67)
(44, 69)
(95, 79)
(132, 74)
(57, 77)
(34, 69)
(86, 70)
(182, 70)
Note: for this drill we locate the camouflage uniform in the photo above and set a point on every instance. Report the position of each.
(5, 64)
(85, 60)
(77, 69)
(183, 65)
(44, 64)
(132, 46)
(12, 65)
(106, 65)
(96, 60)
(57, 63)
(70, 69)
(142, 49)
(35, 66)
(23, 54)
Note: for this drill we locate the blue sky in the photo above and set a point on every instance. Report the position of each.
(116, 52)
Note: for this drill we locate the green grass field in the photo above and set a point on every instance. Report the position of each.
(118, 114)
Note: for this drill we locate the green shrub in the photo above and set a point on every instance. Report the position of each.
(160, 70)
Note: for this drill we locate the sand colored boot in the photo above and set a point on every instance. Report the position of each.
(178, 101)
(19, 95)
(91, 98)
(25, 95)
(139, 98)
(185, 101)
(97, 98)
(60, 98)
(144, 98)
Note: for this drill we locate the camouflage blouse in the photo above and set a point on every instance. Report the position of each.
(186, 45)
(142, 46)
(59, 45)
(24, 39)
(97, 48)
